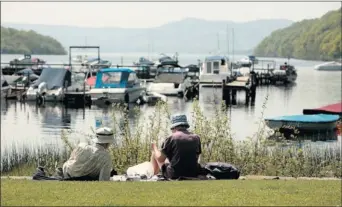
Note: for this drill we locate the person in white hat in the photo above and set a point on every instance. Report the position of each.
(91, 160)
(179, 154)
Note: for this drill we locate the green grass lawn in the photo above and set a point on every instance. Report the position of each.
(198, 193)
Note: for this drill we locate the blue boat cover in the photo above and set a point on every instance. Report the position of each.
(307, 118)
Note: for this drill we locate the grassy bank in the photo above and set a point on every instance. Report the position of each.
(255, 155)
(195, 193)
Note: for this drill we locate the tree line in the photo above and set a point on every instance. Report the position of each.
(15, 41)
(314, 39)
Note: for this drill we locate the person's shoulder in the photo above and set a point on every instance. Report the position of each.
(82, 145)
(103, 154)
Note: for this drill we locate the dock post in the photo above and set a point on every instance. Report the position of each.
(225, 92)
(253, 94)
(234, 96)
(247, 96)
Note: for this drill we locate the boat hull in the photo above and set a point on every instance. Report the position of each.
(49, 95)
(302, 126)
(309, 123)
(168, 89)
(107, 96)
(212, 79)
(332, 66)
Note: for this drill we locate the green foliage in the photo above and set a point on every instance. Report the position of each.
(28, 42)
(254, 156)
(314, 39)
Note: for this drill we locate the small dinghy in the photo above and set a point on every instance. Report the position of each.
(329, 109)
(307, 123)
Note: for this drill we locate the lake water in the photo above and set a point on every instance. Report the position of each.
(24, 124)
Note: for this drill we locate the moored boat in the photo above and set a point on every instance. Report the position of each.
(329, 66)
(50, 85)
(171, 81)
(286, 74)
(335, 109)
(116, 85)
(214, 70)
(304, 123)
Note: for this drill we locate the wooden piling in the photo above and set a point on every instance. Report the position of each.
(247, 97)
(234, 96)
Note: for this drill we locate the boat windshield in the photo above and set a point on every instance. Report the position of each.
(111, 77)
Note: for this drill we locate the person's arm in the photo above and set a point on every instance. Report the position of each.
(159, 155)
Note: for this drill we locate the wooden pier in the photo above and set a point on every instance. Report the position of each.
(231, 87)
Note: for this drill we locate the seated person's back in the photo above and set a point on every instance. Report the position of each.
(182, 149)
(91, 160)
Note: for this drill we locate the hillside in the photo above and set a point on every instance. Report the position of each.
(15, 41)
(186, 36)
(314, 39)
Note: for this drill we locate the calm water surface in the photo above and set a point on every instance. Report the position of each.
(25, 125)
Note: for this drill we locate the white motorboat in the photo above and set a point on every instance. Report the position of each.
(116, 85)
(329, 66)
(50, 85)
(170, 81)
(214, 70)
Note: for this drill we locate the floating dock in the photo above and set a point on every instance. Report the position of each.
(231, 87)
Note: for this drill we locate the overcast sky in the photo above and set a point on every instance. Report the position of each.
(151, 14)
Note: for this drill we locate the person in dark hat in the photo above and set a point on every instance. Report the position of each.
(179, 154)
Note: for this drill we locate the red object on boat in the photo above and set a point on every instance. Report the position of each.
(92, 80)
(329, 109)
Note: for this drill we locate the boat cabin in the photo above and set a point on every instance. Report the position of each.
(216, 65)
(116, 78)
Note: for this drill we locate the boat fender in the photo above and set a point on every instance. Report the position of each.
(54, 97)
(40, 100)
(126, 98)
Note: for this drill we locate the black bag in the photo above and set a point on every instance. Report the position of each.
(221, 170)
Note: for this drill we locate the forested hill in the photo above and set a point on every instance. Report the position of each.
(314, 39)
(28, 42)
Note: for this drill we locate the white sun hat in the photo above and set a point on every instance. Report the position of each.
(104, 135)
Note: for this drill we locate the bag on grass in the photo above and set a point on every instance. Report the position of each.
(222, 170)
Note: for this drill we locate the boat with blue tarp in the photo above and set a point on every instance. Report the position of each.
(309, 123)
(116, 85)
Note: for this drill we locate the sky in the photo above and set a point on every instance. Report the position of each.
(152, 14)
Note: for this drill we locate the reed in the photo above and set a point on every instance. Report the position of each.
(256, 155)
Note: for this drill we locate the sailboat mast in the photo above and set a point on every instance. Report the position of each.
(218, 42)
(233, 44)
(227, 41)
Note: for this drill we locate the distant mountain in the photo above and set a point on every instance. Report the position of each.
(188, 35)
(15, 41)
(312, 39)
